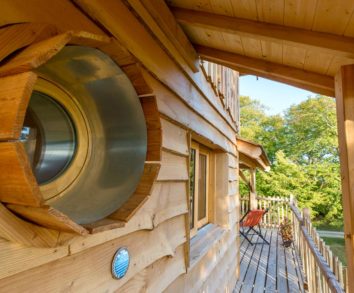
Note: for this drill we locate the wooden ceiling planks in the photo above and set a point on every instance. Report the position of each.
(202, 5)
(297, 77)
(325, 16)
(270, 11)
(349, 31)
(299, 13)
(233, 43)
(294, 56)
(272, 52)
(333, 16)
(318, 62)
(252, 47)
(336, 63)
(223, 7)
(245, 9)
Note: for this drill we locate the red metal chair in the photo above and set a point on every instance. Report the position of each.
(250, 220)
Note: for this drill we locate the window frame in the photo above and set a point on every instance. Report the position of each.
(197, 224)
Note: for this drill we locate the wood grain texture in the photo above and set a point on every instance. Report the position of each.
(18, 36)
(168, 200)
(345, 122)
(173, 167)
(15, 257)
(174, 138)
(322, 42)
(157, 251)
(17, 183)
(38, 11)
(103, 225)
(141, 194)
(133, 71)
(153, 124)
(118, 53)
(16, 230)
(38, 53)
(90, 270)
(194, 280)
(15, 92)
(171, 106)
(157, 277)
(315, 82)
(191, 87)
(163, 17)
(48, 217)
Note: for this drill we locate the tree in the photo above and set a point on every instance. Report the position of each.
(302, 145)
(252, 115)
(257, 126)
(313, 123)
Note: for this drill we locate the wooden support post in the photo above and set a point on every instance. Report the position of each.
(344, 89)
(306, 215)
(253, 193)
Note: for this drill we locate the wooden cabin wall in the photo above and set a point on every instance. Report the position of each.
(157, 236)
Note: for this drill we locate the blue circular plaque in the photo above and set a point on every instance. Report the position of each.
(120, 263)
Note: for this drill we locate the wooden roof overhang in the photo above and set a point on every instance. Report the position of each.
(300, 43)
(252, 155)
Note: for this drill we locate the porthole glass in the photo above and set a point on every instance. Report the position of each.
(49, 137)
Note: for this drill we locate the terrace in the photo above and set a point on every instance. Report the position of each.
(269, 268)
(307, 265)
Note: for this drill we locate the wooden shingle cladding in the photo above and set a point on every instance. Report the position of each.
(157, 234)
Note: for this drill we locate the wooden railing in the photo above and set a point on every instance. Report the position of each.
(224, 81)
(278, 209)
(324, 272)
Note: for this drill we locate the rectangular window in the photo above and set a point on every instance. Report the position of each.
(192, 187)
(199, 180)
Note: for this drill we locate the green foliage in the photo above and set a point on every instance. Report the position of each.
(302, 146)
(252, 115)
(337, 246)
(313, 123)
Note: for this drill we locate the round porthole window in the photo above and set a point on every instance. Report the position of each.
(85, 134)
(49, 136)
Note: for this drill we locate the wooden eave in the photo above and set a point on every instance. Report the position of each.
(252, 155)
(302, 44)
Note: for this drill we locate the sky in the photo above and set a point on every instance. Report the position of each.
(274, 95)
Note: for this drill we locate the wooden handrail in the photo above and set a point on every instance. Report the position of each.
(324, 271)
(297, 213)
(322, 264)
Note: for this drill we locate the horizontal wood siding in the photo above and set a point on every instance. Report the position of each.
(157, 235)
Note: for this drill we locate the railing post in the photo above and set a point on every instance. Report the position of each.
(253, 193)
(344, 92)
(306, 214)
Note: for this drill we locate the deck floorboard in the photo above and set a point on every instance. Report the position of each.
(269, 268)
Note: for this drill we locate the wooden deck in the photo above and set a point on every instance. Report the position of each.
(269, 268)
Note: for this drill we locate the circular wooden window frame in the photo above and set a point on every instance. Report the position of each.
(55, 187)
(20, 191)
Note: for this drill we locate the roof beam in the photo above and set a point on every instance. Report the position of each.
(318, 83)
(158, 17)
(329, 43)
